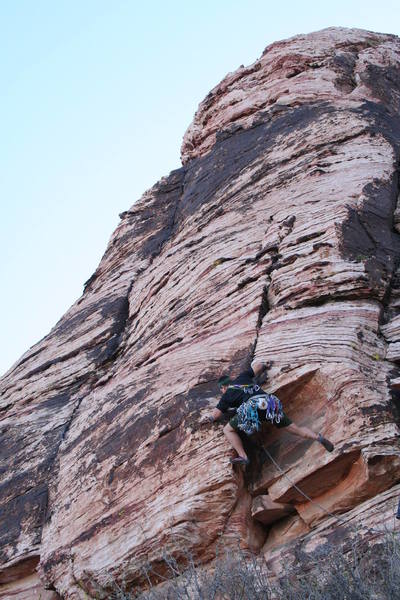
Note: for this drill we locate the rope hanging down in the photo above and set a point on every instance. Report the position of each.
(327, 512)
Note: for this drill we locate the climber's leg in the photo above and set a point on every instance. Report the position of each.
(307, 433)
(304, 432)
(235, 441)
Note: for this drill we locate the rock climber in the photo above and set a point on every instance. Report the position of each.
(250, 407)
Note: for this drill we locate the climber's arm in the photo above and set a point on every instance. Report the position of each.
(258, 367)
(260, 370)
(212, 416)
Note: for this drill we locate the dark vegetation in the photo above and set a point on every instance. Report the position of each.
(365, 572)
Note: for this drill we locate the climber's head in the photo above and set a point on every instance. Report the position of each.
(223, 383)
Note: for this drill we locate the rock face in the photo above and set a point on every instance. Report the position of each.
(277, 240)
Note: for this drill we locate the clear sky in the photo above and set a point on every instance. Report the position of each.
(96, 96)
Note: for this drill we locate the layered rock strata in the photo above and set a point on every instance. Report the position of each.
(278, 239)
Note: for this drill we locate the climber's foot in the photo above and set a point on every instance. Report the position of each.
(326, 443)
(239, 460)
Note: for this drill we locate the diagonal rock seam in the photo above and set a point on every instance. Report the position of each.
(117, 348)
(78, 391)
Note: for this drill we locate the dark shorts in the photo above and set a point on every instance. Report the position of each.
(284, 422)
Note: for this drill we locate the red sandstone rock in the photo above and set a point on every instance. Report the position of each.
(330, 65)
(368, 521)
(275, 241)
(266, 511)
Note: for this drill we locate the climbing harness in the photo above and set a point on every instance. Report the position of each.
(246, 388)
(248, 417)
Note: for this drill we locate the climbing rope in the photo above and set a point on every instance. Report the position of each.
(326, 511)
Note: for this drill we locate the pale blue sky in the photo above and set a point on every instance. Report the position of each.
(96, 97)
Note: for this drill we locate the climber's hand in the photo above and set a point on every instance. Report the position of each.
(206, 419)
(211, 417)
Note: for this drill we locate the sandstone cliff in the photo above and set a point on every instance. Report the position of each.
(279, 239)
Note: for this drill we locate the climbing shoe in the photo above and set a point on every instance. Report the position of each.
(326, 443)
(239, 461)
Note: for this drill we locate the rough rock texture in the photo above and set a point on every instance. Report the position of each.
(278, 239)
(267, 511)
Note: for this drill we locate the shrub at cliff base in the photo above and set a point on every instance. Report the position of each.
(363, 573)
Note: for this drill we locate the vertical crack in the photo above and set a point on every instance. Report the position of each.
(264, 308)
(274, 252)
